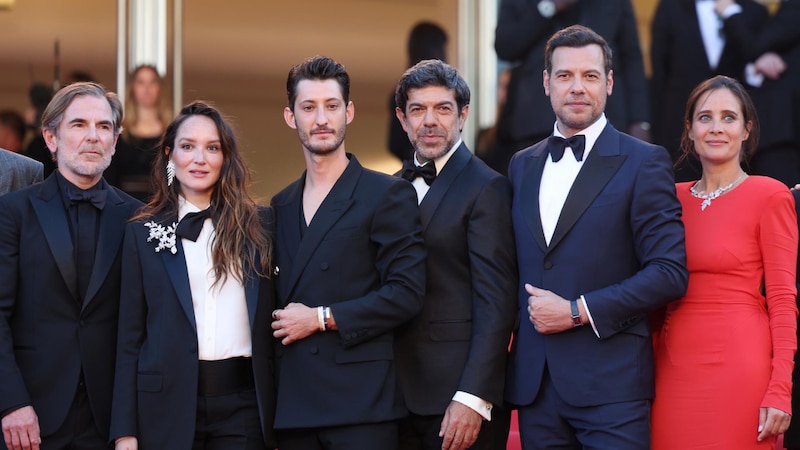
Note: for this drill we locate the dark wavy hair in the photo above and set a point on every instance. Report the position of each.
(748, 114)
(431, 72)
(242, 244)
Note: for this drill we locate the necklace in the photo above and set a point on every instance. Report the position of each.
(714, 194)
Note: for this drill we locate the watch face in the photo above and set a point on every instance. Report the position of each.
(546, 8)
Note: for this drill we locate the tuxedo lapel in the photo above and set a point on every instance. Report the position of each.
(332, 208)
(430, 203)
(175, 266)
(251, 283)
(112, 225)
(602, 163)
(529, 190)
(53, 219)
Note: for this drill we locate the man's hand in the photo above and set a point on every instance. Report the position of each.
(771, 65)
(460, 427)
(296, 321)
(126, 443)
(548, 312)
(771, 422)
(21, 429)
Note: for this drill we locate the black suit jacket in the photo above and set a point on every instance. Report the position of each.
(363, 256)
(460, 341)
(680, 63)
(155, 390)
(521, 36)
(47, 333)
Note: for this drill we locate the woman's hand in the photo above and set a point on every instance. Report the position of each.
(772, 422)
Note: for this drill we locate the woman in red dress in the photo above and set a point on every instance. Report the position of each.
(725, 352)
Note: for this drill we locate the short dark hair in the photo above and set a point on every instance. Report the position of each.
(431, 72)
(576, 36)
(317, 68)
(748, 114)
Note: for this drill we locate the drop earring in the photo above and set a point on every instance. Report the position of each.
(170, 172)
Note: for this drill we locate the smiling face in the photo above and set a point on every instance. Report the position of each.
(432, 121)
(577, 86)
(718, 128)
(84, 140)
(320, 116)
(198, 159)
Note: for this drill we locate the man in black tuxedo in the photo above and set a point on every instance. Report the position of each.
(451, 359)
(350, 269)
(60, 246)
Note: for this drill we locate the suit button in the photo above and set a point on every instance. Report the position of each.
(548, 265)
(323, 266)
(314, 350)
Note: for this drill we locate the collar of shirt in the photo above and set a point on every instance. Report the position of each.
(592, 132)
(185, 207)
(442, 160)
(419, 184)
(64, 187)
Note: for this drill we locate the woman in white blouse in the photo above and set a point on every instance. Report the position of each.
(194, 358)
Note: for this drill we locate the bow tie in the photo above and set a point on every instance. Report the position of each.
(556, 145)
(96, 197)
(190, 226)
(412, 171)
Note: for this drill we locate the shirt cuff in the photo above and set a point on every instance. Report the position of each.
(731, 10)
(752, 77)
(475, 403)
(589, 314)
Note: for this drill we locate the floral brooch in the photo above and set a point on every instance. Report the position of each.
(166, 236)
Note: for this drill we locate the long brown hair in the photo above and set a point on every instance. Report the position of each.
(242, 244)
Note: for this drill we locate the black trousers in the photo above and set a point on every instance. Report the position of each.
(79, 431)
(422, 432)
(377, 436)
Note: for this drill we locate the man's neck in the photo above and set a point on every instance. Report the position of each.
(80, 181)
(324, 170)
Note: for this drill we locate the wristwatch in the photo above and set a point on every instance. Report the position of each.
(547, 8)
(576, 314)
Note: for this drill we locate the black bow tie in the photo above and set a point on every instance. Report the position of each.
(190, 226)
(411, 171)
(96, 197)
(556, 145)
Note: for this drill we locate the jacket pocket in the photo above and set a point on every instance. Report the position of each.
(367, 351)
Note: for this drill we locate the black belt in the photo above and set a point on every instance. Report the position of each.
(225, 376)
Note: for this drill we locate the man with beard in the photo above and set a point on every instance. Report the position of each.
(60, 243)
(451, 359)
(349, 270)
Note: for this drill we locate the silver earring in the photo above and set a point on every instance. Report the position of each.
(170, 172)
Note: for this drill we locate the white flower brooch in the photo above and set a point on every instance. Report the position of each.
(165, 236)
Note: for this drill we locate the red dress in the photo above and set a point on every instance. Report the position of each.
(724, 350)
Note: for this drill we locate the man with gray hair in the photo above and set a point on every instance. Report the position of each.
(60, 243)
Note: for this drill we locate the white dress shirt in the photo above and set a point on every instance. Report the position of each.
(557, 180)
(223, 326)
(711, 25)
(419, 184)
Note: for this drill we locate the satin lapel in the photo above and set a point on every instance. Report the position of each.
(288, 215)
(442, 183)
(112, 229)
(332, 208)
(53, 219)
(602, 163)
(175, 265)
(529, 192)
(689, 8)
